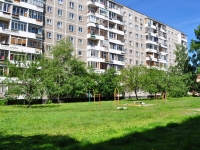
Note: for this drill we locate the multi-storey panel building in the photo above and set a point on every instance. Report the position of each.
(107, 34)
(104, 33)
(21, 31)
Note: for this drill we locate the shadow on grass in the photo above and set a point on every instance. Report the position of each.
(185, 136)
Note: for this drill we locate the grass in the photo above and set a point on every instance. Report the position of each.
(165, 125)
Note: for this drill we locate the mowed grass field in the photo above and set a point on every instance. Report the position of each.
(170, 125)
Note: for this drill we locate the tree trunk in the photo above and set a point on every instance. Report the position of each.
(136, 94)
(58, 98)
(29, 104)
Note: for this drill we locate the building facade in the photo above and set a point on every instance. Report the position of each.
(104, 33)
(21, 31)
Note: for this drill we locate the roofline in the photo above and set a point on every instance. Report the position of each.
(146, 16)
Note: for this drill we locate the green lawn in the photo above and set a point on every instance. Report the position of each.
(170, 125)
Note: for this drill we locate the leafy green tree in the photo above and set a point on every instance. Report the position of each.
(64, 75)
(195, 59)
(24, 78)
(195, 50)
(133, 78)
(182, 71)
(154, 81)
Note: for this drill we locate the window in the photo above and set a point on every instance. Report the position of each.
(141, 45)
(38, 3)
(131, 52)
(136, 27)
(60, 1)
(137, 54)
(80, 18)
(137, 44)
(18, 26)
(136, 62)
(71, 4)
(35, 29)
(131, 61)
(36, 15)
(130, 25)
(60, 12)
(48, 47)
(80, 7)
(130, 16)
(130, 33)
(136, 36)
(141, 37)
(71, 39)
(131, 43)
(136, 19)
(142, 54)
(49, 8)
(140, 28)
(49, 35)
(49, 21)
(71, 16)
(59, 37)
(80, 41)
(59, 25)
(71, 28)
(80, 29)
(80, 53)
(124, 31)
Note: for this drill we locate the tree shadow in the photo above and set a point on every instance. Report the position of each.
(184, 136)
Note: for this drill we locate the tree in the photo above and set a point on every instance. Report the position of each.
(154, 81)
(107, 82)
(195, 59)
(133, 78)
(24, 78)
(182, 60)
(195, 50)
(64, 74)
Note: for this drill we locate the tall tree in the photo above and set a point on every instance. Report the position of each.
(133, 78)
(195, 50)
(64, 74)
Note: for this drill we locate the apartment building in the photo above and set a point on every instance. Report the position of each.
(106, 34)
(21, 31)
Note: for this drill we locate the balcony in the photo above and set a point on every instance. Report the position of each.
(28, 5)
(5, 16)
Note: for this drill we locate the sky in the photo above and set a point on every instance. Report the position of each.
(183, 15)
